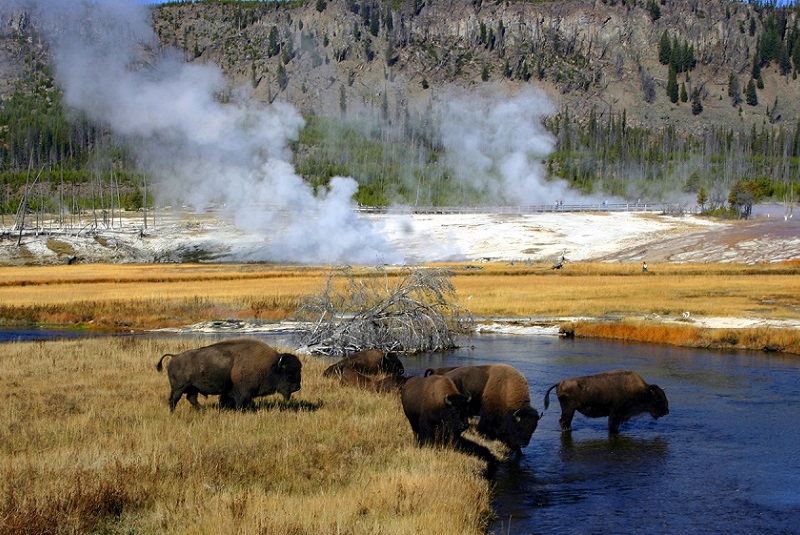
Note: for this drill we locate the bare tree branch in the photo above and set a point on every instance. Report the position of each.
(410, 310)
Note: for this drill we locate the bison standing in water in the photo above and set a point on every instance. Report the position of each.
(437, 411)
(500, 398)
(236, 370)
(618, 394)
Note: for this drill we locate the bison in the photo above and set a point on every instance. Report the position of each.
(437, 411)
(350, 377)
(618, 394)
(500, 398)
(238, 370)
(368, 361)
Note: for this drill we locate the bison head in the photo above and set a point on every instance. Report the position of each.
(659, 406)
(517, 427)
(390, 363)
(454, 416)
(286, 374)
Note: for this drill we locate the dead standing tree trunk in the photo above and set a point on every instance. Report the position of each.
(411, 310)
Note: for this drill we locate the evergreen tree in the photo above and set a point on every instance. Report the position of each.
(684, 94)
(756, 72)
(697, 105)
(784, 62)
(734, 91)
(654, 9)
(702, 198)
(751, 97)
(664, 49)
(672, 85)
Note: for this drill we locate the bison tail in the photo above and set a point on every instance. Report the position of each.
(159, 366)
(547, 396)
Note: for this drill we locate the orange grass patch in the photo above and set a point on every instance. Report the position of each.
(762, 339)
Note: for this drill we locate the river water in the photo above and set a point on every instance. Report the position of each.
(726, 459)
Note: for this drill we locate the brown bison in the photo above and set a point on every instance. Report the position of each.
(238, 370)
(369, 361)
(618, 394)
(390, 383)
(437, 411)
(500, 398)
(350, 377)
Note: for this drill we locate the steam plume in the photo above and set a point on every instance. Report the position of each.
(497, 144)
(202, 150)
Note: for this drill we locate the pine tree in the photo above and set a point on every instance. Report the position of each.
(734, 91)
(684, 94)
(672, 85)
(702, 198)
(751, 97)
(697, 105)
(664, 49)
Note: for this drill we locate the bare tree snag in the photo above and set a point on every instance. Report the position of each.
(408, 310)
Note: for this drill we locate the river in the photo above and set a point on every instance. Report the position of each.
(725, 460)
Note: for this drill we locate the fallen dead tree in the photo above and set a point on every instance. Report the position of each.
(408, 310)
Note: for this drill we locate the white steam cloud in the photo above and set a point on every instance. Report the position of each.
(202, 150)
(207, 145)
(497, 144)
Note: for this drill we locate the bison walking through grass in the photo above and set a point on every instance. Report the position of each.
(237, 370)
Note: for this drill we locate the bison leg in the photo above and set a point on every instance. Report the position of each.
(241, 400)
(567, 412)
(613, 423)
(226, 402)
(175, 397)
(191, 396)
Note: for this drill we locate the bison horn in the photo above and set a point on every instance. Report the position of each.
(280, 361)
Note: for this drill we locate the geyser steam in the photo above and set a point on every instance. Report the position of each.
(201, 148)
(496, 145)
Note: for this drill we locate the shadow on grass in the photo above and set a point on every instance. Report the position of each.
(277, 404)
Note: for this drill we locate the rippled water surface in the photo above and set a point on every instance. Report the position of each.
(725, 460)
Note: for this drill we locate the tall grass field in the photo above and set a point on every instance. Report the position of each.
(88, 445)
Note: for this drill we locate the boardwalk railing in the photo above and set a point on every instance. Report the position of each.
(531, 209)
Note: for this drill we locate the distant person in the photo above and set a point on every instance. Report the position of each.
(644, 267)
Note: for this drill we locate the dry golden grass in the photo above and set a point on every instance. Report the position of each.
(762, 338)
(150, 296)
(598, 289)
(88, 445)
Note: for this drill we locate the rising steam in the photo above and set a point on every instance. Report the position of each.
(203, 149)
(496, 144)
(206, 144)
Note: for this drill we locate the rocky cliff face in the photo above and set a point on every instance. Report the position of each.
(392, 58)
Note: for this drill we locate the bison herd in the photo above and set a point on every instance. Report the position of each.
(439, 405)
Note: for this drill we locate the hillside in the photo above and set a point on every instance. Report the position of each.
(419, 102)
(393, 58)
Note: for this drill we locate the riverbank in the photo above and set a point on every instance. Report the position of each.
(102, 453)
(704, 276)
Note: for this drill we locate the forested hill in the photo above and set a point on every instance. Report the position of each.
(686, 63)
(645, 97)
